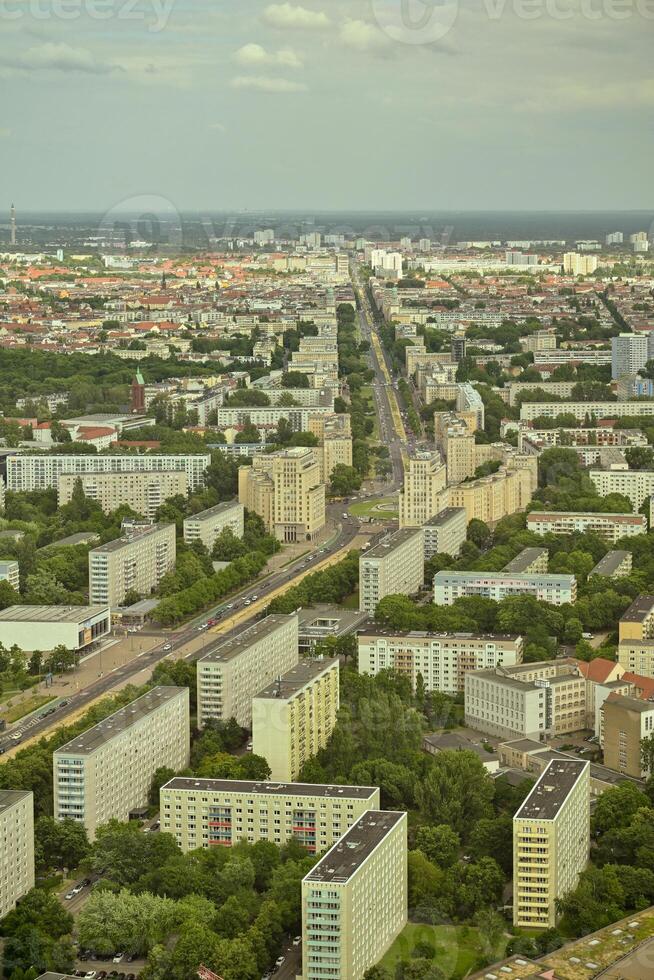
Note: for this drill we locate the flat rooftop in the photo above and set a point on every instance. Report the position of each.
(425, 635)
(10, 797)
(332, 618)
(628, 703)
(50, 614)
(211, 512)
(188, 784)
(637, 612)
(446, 573)
(552, 790)
(346, 857)
(443, 516)
(134, 537)
(538, 515)
(393, 541)
(296, 678)
(226, 650)
(120, 721)
(610, 563)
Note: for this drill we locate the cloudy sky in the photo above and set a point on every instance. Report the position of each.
(332, 104)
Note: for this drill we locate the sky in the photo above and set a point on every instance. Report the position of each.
(327, 104)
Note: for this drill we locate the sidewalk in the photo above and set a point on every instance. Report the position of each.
(120, 651)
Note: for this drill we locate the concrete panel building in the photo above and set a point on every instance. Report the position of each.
(555, 589)
(395, 566)
(354, 901)
(609, 526)
(136, 562)
(637, 485)
(232, 672)
(285, 489)
(294, 716)
(551, 842)
(637, 656)
(222, 812)
(107, 771)
(30, 471)
(10, 572)
(143, 492)
(626, 721)
(46, 627)
(442, 659)
(581, 410)
(637, 623)
(445, 532)
(614, 564)
(17, 847)
(419, 499)
(210, 524)
(530, 561)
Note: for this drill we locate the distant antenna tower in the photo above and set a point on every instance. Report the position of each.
(12, 216)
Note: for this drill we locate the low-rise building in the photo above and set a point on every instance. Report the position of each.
(441, 659)
(354, 900)
(530, 561)
(144, 492)
(637, 656)
(222, 812)
(136, 562)
(294, 716)
(445, 532)
(17, 850)
(10, 572)
(609, 526)
(322, 622)
(637, 623)
(626, 721)
(551, 842)
(555, 589)
(47, 627)
(231, 672)
(210, 524)
(614, 564)
(394, 566)
(106, 772)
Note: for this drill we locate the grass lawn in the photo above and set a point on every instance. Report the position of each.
(351, 602)
(25, 707)
(459, 949)
(381, 509)
(366, 391)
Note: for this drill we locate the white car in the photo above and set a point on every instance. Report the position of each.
(279, 961)
(118, 958)
(167, 646)
(297, 941)
(69, 895)
(91, 975)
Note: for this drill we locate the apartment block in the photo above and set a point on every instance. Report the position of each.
(106, 772)
(143, 492)
(468, 399)
(637, 485)
(637, 656)
(29, 471)
(287, 492)
(551, 842)
(459, 448)
(294, 716)
(630, 352)
(445, 532)
(626, 721)
(210, 524)
(17, 851)
(609, 526)
(526, 700)
(530, 561)
(231, 673)
(490, 498)
(221, 812)
(420, 497)
(555, 589)
(335, 442)
(579, 265)
(137, 562)
(394, 566)
(582, 410)
(45, 627)
(10, 572)
(354, 901)
(441, 659)
(614, 564)
(637, 622)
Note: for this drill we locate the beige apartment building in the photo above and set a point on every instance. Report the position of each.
(394, 566)
(142, 491)
(137, 562)
(459, 448)
(637, 623)
(420, 497)
(354, 901)
(551, 842)
(106, 772)
(637, 656)
(334, 435)
(210, 524)
(287, 492)
(609, 526)
(493, 497)
(445, 532)
(222, 812)
(534, 700)
(294, 716)
(17, 847)
(441, 659)
(232, 672)
(626, 721)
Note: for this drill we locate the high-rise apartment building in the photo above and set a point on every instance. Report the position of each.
(222, 812)
(626, 721)
(441, 659)
(230, 674)
(445, 532)
(287, 492)
(136, 562)
(468, 399)
(294, 716)
(555, 589)
(335, 442)
(420, 498)
(107, 771)
(394, 566)
(16, 847)
(630, 352)
(609, 526)
(579, 265)
(490, 498)
(30, 471)
(637, 485)
(354, 901)
(459, 448)
(551, 842)
(210, 524)
(143, 492)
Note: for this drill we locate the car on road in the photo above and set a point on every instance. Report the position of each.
(118, 958)
(248, 602)
(167, 646)
(70, 894)
(279, 961)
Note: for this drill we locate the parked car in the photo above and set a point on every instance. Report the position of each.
(279, 961)
(118, 958)
(297, 941)
(91, 975)
(69, 895)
